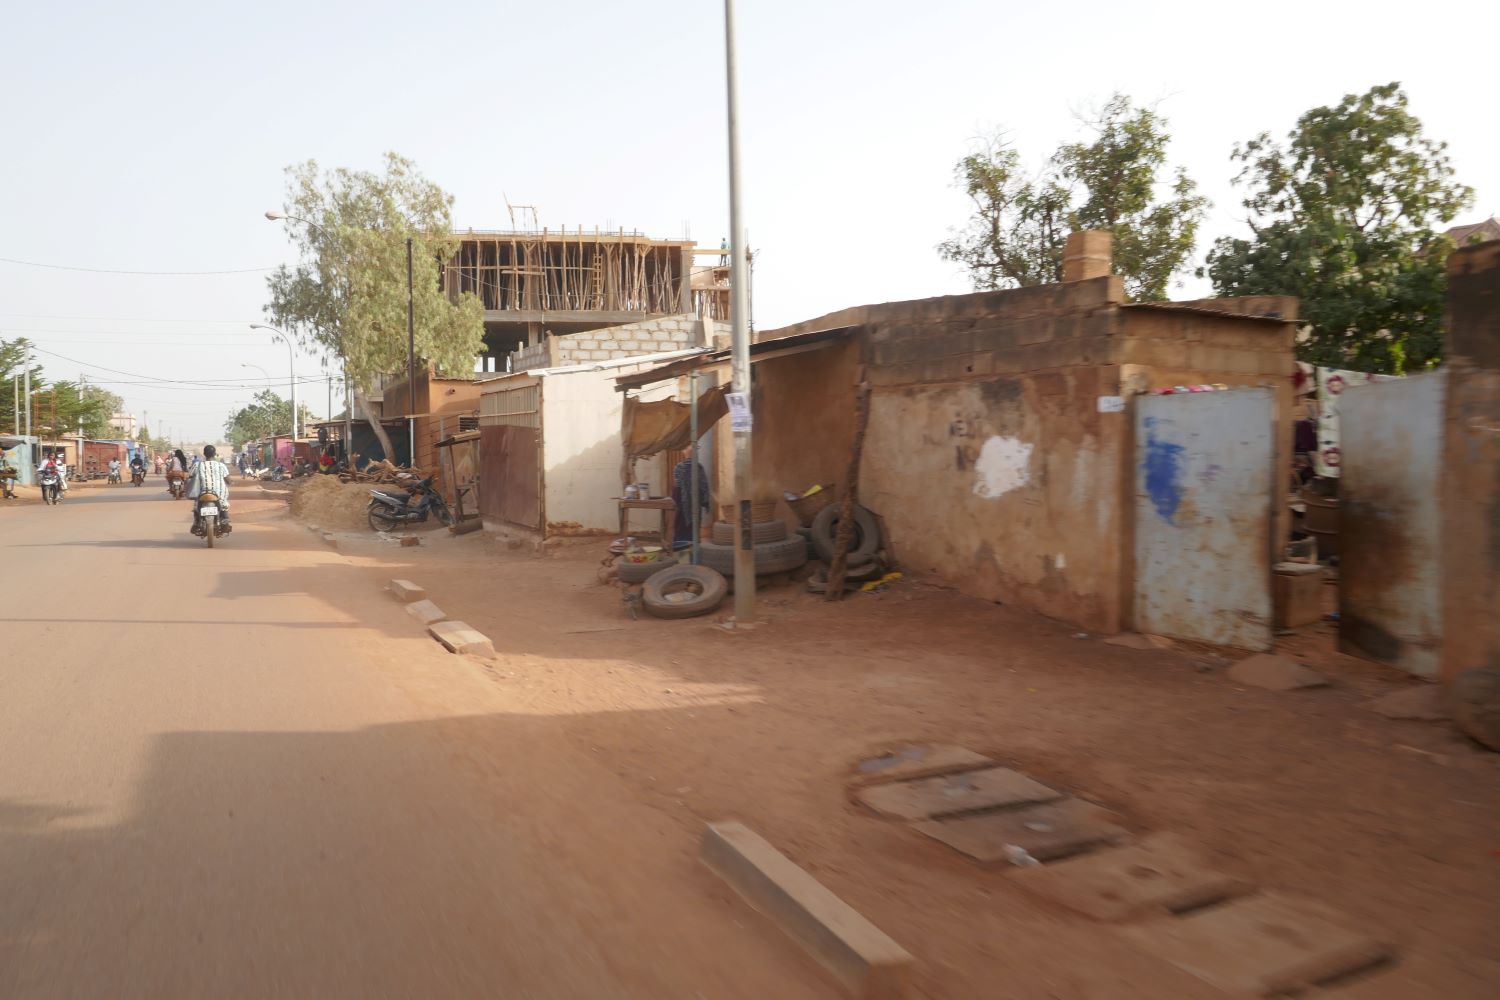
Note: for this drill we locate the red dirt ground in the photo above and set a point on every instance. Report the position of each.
(1396, 824)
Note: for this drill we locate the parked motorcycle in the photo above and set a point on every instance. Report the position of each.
(51, 486)
(388, 510)
(209, 524)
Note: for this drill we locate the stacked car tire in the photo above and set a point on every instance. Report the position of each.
(776, 549)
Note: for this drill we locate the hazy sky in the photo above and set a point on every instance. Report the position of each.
(152, 136)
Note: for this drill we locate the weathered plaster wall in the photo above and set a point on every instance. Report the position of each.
(804, 424)
(1471, 463)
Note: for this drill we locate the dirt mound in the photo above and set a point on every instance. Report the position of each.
(328, 503)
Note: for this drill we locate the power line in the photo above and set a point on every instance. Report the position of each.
(152, 274)
(155, 380)
(123, 319)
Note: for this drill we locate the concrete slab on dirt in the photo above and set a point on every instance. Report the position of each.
(407, 592)
(1274, 673)
(1420, 704)
(1134, 640)
(955, 794)
(1044, 831)
(460, 638)
(863, 958)
(1260, 945)
(425, 612)
(331, 539)
(918, 762)
(1162, 873)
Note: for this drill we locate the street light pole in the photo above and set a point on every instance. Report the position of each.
(739, 365)
(291, 355)
(411, 365)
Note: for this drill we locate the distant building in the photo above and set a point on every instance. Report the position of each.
(1478, 232)
(123, 424)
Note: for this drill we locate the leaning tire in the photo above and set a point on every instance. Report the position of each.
(862, 546)
(772, 557)
(765, 531)
(630, 572)
(684, 592)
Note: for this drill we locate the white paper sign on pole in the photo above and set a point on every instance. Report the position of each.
(740, 419)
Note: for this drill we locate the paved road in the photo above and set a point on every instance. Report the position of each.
(245, 773)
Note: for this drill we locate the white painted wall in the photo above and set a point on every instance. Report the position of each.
(581, 450)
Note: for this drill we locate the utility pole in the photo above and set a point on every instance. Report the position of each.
(28, 390)
(411, 364)
(739, 291)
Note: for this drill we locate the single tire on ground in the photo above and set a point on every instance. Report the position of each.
(765, 531)
(772, 557)
(683, 592)
(630, 572)
(864, 543)
(1475, 697)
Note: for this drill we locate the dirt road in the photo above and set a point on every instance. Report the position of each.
(218, 780)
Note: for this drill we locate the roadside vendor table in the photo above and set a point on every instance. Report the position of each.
(664, 504)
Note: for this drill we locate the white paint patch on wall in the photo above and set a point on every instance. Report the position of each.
(1002, 466)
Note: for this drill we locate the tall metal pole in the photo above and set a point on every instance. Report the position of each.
(349, 418)
(739, 291)
(411, 363)
(695, 499)
(28, 390)
(291, 355)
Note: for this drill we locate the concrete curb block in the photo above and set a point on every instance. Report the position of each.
(861, 956)
(425, 612)
(460, 638)
(406, 592)
(330, 539)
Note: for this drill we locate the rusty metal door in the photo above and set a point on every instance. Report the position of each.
(1390, 520)
(1205, 488)
(511, 475)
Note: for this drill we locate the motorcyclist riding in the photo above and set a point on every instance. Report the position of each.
(210, 476)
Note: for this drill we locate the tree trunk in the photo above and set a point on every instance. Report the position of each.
(380, 435)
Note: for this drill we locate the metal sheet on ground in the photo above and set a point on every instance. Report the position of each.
(1261, 945)
(1044, 831)
(1162, 873)
(1205, 481)
(954, 794)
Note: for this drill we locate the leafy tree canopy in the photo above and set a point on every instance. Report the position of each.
(348, 294)
(1119, 182)
(266, 415)
(1347, 216)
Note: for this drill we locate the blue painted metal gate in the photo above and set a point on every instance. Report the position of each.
(1205, 486)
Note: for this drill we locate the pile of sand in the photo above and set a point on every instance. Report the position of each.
(328, 503)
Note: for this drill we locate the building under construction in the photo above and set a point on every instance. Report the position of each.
(534, 284)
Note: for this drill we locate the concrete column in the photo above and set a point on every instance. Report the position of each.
(1088, 253)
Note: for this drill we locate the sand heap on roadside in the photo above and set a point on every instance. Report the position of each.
(328, 503)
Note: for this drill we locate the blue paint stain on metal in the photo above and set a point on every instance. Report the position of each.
(1163, 463)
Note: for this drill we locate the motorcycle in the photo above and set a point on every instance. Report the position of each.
(387, 510)
(114, 477)
(176, 485)
(137, 477)
(209, 523)
(51, 486)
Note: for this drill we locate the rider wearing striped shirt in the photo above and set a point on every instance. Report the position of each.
(210, 476)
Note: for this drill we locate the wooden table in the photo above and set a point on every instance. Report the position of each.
(664, 504)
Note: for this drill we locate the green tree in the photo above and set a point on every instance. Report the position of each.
(1347, 216)
(13, 366)
(268, 414)
(1118, 182)
(348, 295)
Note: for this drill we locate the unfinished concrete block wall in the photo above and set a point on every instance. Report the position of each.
(652, 336)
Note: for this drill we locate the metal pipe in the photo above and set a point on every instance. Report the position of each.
(739, 292)
(28, 389)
